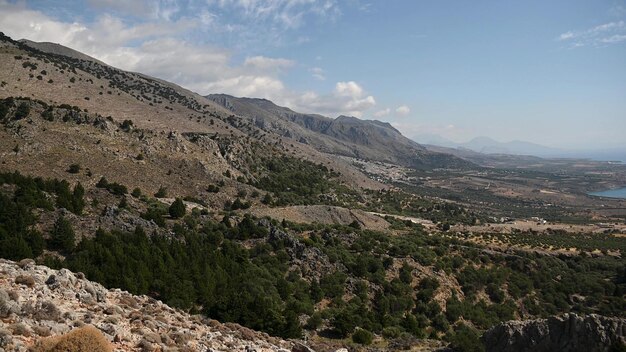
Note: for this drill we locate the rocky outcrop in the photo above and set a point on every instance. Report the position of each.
(311, 261)
(37, 302)
(569, 332)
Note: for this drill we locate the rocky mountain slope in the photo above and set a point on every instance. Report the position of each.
(345, 135)
(569, 332)
(37, 302)
(154, 111)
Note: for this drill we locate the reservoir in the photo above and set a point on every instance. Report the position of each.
(612, 193)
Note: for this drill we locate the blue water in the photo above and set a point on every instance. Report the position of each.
(612, 193)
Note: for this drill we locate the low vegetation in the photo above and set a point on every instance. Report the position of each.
(239, 270)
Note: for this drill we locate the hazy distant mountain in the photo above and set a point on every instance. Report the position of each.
(490, 146)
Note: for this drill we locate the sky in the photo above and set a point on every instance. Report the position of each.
(550, 72)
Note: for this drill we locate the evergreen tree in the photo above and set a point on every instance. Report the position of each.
(177, 209)
(78, 202)
(62, 236)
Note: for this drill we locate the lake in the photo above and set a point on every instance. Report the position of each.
(612, 193)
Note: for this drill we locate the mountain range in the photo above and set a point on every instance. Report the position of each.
(488, 145)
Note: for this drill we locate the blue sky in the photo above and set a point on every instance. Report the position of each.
(550, 72)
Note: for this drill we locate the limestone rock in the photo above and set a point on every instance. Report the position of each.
(569, 332)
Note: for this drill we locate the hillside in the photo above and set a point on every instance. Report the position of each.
(345, 135)
(300, 227)
(40, 302)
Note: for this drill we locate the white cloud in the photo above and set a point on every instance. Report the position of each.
(381, 113)
(348, 89)
(267, 63)
(403, 110)
(566, 35)
(615, 38)
(318, 73)
(156, 46)
(607, 33)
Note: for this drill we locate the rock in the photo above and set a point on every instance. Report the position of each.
(298, 347)
(569, 332)
(26, 264)
(59, 301)
(7, 305)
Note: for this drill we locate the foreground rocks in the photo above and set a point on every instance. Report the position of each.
(38, 302)
(569, 332)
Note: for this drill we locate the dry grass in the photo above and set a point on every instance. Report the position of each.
(84, 339)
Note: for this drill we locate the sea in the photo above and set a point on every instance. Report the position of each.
(611, 193)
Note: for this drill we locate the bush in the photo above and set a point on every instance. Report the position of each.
(113, 187)
(161, 193)
(177, 209)
(213, 189)
(465, 339)
(22, 111)
(74, 169)
(83, 339)
(362, 337)
(136, 193)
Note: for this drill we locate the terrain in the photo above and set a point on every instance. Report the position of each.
(323, 233)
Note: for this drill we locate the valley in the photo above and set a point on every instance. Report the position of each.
(317, 233)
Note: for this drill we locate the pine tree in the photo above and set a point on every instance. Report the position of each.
(78, 202)
(177, 209)
(62, 236)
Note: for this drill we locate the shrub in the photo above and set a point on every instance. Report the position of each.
(177, 209)
(362, 337)
(74, 169)
(136, 192)
(161, 193)
(25, 280)
(22, 111)
(83, 339)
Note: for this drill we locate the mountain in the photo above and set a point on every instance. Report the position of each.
(250, 213)
(488, 145)
(344, 135)
(58, 49)
(491, 146)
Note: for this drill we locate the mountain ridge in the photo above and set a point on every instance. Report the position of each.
(344, 135)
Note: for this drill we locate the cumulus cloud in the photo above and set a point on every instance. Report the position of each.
(403, 110)
(382, 113)
(157, 46)
(348, 98)
(607, 33)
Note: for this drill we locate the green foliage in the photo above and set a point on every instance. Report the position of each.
(230, 282)
(363, 337)
(177, 209)
(465, 339)
(295, 181)
(112, 187)
(236, 205)
(136, 192)
(22, 111)
(161, 193)
(62, 237)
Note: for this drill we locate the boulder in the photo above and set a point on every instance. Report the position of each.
(566, 333)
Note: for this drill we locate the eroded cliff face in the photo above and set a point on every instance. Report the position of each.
(569, 332)
(37, 302)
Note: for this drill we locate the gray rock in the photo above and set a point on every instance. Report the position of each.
(7, 306)
(569, 333)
